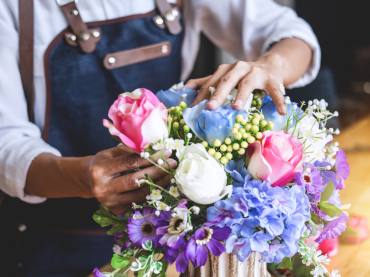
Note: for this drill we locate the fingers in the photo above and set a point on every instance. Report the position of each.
(246, 86)
(129, 182)
(225, 85)
(204, 92)
(197, 83)
(276, 95)
(121, 203)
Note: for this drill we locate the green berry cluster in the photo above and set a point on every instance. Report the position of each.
(245, 132)
(257, 98)
(176, 121)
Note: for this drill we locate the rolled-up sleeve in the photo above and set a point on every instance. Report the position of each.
(20, 140)
(248, 28)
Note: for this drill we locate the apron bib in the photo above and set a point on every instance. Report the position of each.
(59, 237)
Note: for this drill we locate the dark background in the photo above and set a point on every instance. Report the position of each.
(343, 30)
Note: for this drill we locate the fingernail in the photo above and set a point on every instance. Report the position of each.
(172, 162)
(212, 103)
(238, 103)
(283, 109)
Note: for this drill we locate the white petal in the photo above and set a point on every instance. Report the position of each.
(154, 128)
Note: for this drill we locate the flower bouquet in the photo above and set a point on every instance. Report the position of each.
(246, 181)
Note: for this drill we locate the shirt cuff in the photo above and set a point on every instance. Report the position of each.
(311, 40)
(14, 169)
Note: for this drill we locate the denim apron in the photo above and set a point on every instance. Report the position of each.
(59, 237)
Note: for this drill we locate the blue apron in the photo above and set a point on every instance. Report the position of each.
(59, 236)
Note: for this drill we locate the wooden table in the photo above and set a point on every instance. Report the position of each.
(352, 260)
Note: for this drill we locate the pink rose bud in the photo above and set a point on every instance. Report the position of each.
(357, 230)
(277, 158)
(139, 118)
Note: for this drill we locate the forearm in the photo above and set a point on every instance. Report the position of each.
(57, 177)
(295, 56)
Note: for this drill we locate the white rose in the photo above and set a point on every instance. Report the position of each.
(200, 177)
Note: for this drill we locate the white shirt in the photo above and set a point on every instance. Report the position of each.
(244, 28)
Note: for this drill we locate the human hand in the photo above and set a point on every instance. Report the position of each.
(266, 74)
(116, 191)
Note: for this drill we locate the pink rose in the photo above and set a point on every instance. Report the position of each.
(139, 118)
(277, 158)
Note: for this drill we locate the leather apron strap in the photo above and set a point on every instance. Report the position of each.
(26, 53)
(25, 59)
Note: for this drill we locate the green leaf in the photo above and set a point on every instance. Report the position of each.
(327, 193)
(139, 273)
(330, 209)
(163, 272)
(315, 218)
(286, 263)
(118, 275)
(119, 262)
(123, 239)
(104, 218)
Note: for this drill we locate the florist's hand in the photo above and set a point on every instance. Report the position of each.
(265, 74)
(117, 191)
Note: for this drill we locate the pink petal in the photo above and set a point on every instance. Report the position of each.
(258, 167)
(151, 96)
(124, 139)
(280, 167)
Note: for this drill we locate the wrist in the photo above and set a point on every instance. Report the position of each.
(76, 173)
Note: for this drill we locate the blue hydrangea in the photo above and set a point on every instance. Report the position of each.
(211, 125)
(263, 218)
(271, 114)
(172, 98)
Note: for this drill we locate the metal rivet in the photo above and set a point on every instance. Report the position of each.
(169, 16)
(83, 36)
(72, 37)
(22, 227)
(175, 12)
(164, 48)
(111, 60)
(74, 12)
(95, 34)
(159, 20)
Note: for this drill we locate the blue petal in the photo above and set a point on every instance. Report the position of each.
(270, 112)
(172, 98)
(191, 115)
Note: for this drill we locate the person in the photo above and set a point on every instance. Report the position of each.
(57, 161)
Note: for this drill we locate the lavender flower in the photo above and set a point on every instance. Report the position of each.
(172, 227)
(341, 165)
(203, 238)
(142, 229)
(333, 229)
(177, 254)
(309, 178)
(97, 273)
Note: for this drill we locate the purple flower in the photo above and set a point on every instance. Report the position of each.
(97, 273)
(177, 254)
(309, 178)
(173, 227)
(117, 237)
(333, 229)
(142, 229)
(203, 238)
(341, 165)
